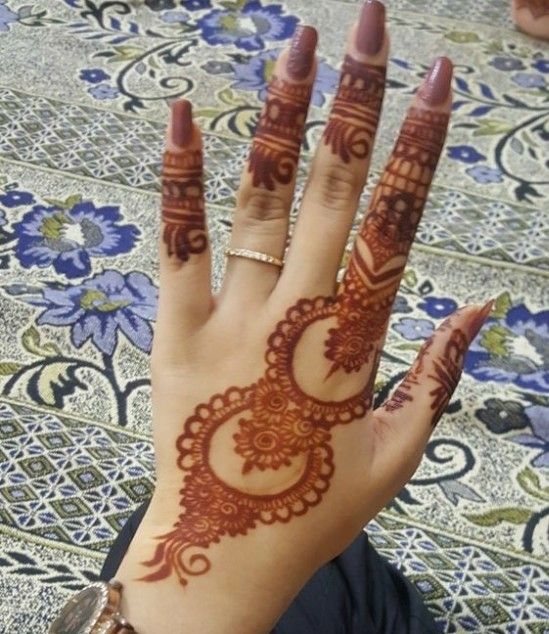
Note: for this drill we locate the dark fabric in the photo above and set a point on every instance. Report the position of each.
(358, 592)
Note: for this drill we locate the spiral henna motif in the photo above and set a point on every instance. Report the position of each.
(351, 128)
(183, 204)
(275, 148)
(275, 420)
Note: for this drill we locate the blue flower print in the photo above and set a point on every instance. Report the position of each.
(539, 439)
(196, 5)
(542, 65)
(94, 75)
(438, 306)
(506, 63)
(69, 238)
(2, 218)
(249, 27)
(465, 153)
(101, 306)
(103, 91)
(484, 174)
(400, 305)
(529, 80)
(414, 329)
(14, 198)
(173, 17)
(7, 16)
(256, 73)
(513, 349)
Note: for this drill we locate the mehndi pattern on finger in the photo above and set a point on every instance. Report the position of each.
(352, 125)
(372, 278)
(184, 222)
(446, 366)
(275, 149)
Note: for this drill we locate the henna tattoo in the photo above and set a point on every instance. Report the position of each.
(275, 423)
(447, 367)
(373, 275)
(402, 395)
(351, 129)
(447, 372)
(183, 204)
(538, 8)
(275, 148)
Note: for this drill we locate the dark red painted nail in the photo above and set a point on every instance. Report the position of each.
(302, 52)
(371, 27)
(436, 86)
(182, 122)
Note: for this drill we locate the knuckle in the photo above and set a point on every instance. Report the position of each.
(263, 210)
(339, 187)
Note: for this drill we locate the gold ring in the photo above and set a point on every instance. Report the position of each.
(255, 255)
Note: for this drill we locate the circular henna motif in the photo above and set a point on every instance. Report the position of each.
(262, 446)
(307, 492)
(230, 509)
(280, 359)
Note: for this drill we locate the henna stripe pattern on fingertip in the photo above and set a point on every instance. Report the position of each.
(351, 129)
(184, 231)
(275, 149)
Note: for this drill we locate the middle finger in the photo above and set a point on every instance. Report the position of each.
(341, 161)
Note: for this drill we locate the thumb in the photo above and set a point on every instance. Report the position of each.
(417, 404)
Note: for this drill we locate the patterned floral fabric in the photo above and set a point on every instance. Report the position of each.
(83, 102)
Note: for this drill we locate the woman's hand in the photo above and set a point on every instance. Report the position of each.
(270, 458)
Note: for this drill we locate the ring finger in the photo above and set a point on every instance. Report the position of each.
(383, 242)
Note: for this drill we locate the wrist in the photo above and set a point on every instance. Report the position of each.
(245, 591)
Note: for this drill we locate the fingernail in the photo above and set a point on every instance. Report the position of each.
(479, 318)
(436, 86)
(182, 122)
(302, 52)
(371, 27)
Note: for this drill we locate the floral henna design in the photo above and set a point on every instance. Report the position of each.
(351, 128)
(183, 204)
(276, 422)
(275, 149)
(447, 368)
(373, 275)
